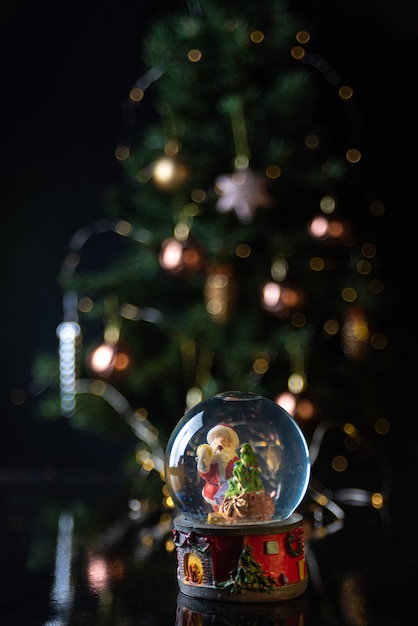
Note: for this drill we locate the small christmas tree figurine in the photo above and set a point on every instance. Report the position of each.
(245, 496)
(249, 575)
(246, 473)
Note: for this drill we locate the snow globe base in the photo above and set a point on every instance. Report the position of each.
(248, 563)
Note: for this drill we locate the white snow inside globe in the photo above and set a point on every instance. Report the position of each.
(237, 458)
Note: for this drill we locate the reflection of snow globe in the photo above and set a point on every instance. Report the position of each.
(237, 467)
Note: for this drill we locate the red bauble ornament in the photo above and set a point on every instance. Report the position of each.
(181, 258)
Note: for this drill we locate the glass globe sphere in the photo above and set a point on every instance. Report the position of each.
(237, 458)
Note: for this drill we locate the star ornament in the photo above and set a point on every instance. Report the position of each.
(244, 192)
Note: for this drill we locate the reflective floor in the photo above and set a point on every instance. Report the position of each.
(74, 552)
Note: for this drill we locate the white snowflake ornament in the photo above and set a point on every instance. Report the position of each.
(244, 192)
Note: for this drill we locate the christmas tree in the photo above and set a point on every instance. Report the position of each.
(235, 262)
(248, 574)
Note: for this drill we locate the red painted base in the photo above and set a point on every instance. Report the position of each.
(241, 563)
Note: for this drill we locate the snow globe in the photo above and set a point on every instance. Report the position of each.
(237, 467)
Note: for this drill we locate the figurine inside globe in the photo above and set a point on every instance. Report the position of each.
(237, 458)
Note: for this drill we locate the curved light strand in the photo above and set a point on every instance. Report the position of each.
(68, 331)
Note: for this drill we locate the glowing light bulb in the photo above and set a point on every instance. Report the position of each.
(68, 334)
(164, 170)
(168, 173)
(287, 401)
(102, 358)
(271, 295)
(171, 255)
(319, 227)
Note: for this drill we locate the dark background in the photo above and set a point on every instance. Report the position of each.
(65, 73)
